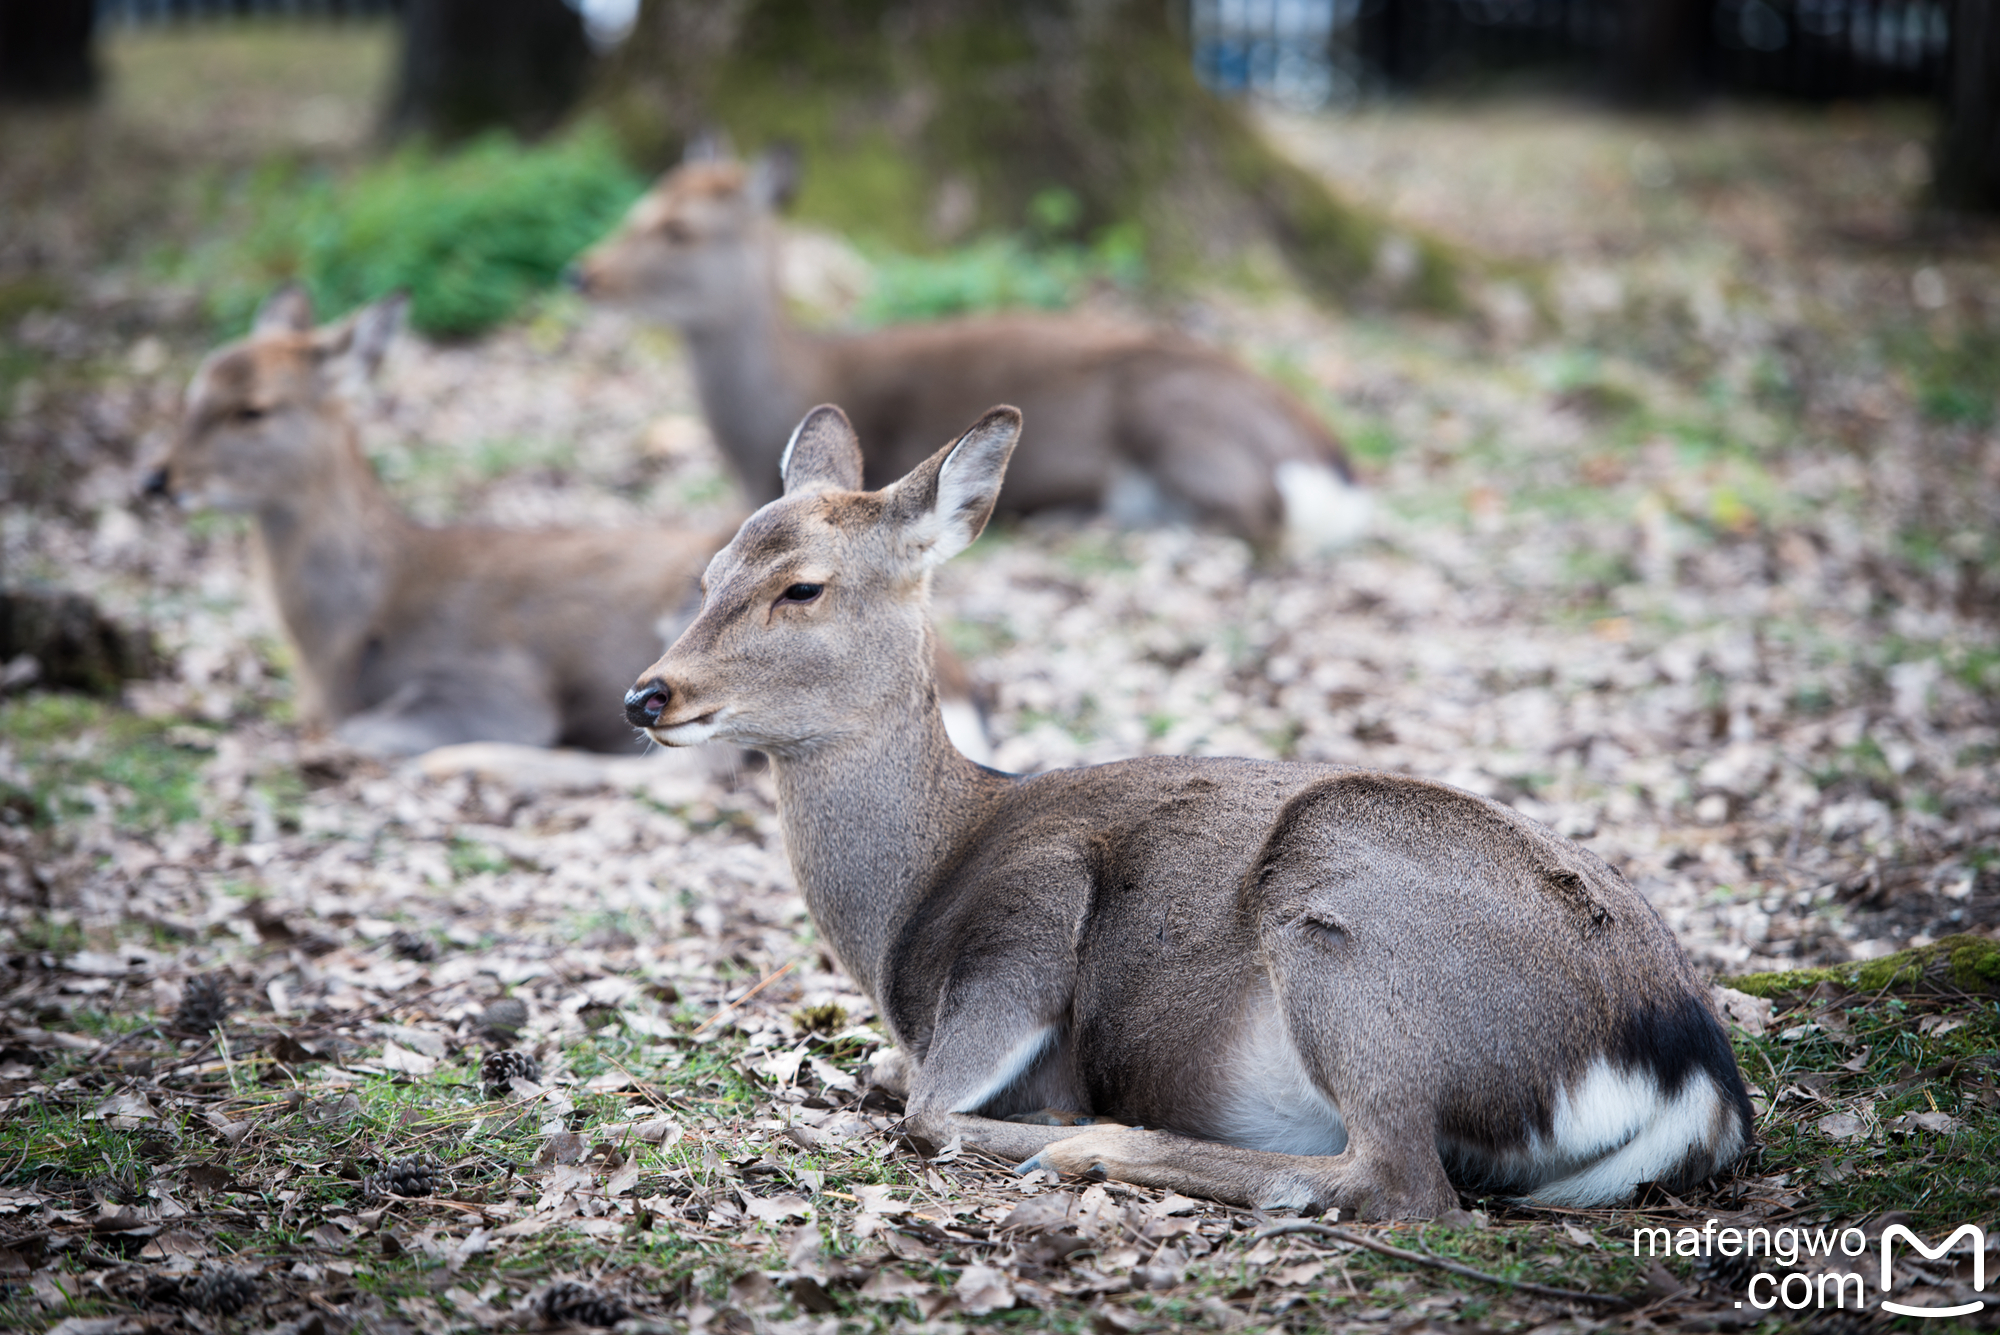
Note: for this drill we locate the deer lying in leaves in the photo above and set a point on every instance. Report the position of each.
(1147, 425)
(1310, 986)
(407, 637)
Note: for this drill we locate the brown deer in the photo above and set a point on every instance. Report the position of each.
(1146, 425)
(406, 637)
(1312, 986)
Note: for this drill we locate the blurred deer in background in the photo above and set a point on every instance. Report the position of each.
(1313, 986)
(407, 637)
(1149, 426)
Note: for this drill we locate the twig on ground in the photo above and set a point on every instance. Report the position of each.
(727, 1007)
(1439, 1263)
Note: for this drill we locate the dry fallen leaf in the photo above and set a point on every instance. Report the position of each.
(981, 1289)
(396, 1057)
(1750, 1014)
(123, 1110)
(1941, 1122)
(1039, 1214)
(1292, 1276)
(777, 1209)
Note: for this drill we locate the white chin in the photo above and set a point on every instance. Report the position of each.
(683, 734)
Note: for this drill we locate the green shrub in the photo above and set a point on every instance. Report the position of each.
(999, 273)
(470, 234)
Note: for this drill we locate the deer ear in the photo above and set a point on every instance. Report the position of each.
(947, 499)
(823, 454)
(355, 346)
(708, 144)
(289, 310)
(774, 177)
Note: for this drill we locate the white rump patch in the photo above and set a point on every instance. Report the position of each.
(1323, 512)
(1614, 1130)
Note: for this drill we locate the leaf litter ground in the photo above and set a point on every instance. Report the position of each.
(1688, 547)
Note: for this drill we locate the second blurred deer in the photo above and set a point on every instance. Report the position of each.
(1144, 424)
(407, 637)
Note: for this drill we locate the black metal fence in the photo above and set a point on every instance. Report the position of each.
(162, 11)
(1331, 52)
(1318, 53)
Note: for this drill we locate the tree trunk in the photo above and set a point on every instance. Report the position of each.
(1966, 178)
(473, 65)
(918, 120)
(45, 49)
(1659, 50)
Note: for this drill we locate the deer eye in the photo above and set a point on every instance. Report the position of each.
(247, 413)
(676, 231)
(801, 593)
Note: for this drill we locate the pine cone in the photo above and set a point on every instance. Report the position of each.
(407, 945)
(500, 1068)
(415, 1176)
(204, 1004)
(223, 1292)
(568, 1303)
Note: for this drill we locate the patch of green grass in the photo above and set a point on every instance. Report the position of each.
(1001, 273)
(471, 857)
(471, 234)
(81, 755)
(1955, 377)
(1879, 1058)
(428, 470)
(977, 639)
(1371, 441)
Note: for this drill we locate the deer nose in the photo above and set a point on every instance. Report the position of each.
(156, 483)
(645, 703)
(576, 278)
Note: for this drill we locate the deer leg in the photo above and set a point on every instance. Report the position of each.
(489, 702)
(994, 1072)
(1365, 1181)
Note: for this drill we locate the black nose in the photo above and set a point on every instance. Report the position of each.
(155, 483)
(645, 703)
(575, 279)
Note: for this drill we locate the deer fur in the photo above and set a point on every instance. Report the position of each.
(1146, 425)
(1311, 986)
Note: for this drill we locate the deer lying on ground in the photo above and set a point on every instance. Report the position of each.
(1311, 986)
(406, 637)
(1146, 425)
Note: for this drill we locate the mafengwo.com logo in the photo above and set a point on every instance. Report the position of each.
(1832, 1284)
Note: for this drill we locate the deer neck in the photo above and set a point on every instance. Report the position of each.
(756, 374)
(328, 554)
(871, 820)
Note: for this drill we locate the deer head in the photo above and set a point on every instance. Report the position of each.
(815, 617)
(693, 248)
(262, 416)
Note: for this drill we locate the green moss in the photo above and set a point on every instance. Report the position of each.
(1972, 963)
(1105, 115)
(1975, 964)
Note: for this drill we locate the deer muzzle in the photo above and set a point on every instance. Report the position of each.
(646, 702)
